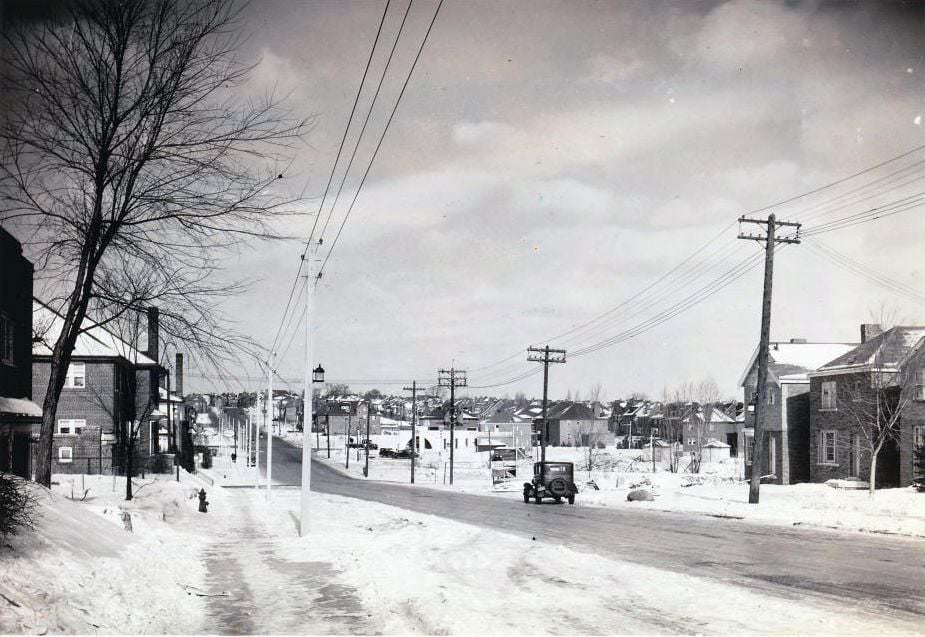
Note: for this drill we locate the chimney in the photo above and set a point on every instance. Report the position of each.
(869, 331)
(153, 331)
(178, 375)
(798, 341)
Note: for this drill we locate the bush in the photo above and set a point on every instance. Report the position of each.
(17, 505)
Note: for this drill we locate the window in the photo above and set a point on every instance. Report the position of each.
(770, 396)
(920, 385)
(76, 376)
(6, 340)
(828, 395)
(749, 448)
(65, 455)
(70, 427)
(825, 450)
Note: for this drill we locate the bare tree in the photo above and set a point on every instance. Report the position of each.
(886, 315)
(127, 157)
(596, 393)
(591, 439)
(874, 402)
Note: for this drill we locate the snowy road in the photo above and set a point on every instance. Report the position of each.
(882, 576)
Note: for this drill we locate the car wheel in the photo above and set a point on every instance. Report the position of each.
(526, 497)
(571, 499)
(538, 498)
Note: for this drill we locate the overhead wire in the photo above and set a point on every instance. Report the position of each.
(385, 130)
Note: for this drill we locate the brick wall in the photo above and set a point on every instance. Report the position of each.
(93, 403)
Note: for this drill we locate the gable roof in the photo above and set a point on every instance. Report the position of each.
(796, 357)
(889, 349)
(96, 341)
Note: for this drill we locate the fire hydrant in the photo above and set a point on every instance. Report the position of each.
(203, 503)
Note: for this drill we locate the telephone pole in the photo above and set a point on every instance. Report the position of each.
(545, 355)
(269, 420)
(414, 419)
(770, 243)
(452, 378)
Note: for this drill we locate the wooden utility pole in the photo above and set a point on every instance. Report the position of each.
(545, 355)
(414, 419)
(366, 443)
(452, 378)
(770, 243)
(269, 421)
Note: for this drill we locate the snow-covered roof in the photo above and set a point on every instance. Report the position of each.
(888, 349)
(796, 356)
(162, 392)
(19, 407)
(95, 341)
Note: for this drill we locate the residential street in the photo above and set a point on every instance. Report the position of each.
(880, 575)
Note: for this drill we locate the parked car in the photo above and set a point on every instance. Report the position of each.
(386, 453)
(405, 454)
(554, 480)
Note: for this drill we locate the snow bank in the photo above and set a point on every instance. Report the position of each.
(80, 571)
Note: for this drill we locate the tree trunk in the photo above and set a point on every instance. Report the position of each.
(129, 452)
(872, 481)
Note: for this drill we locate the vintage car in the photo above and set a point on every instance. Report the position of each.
(551, 480)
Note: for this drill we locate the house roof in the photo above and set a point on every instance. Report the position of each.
(95, 341)
(19, 407)
(789, 357)
(887, 349)
(570, 411)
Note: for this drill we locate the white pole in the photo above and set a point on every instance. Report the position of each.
(269, 421)
(307, 401)
(257, 443)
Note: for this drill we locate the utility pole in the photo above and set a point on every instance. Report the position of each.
(545, 355)
(770, 243)
(451, 378)
(256, 426)
(269, 420)
(366, 444)
(347, 439)
(307, 398)
(414, 418)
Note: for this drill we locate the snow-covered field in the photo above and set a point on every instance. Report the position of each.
(717, 490)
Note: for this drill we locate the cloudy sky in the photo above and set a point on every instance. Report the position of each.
(549, 161)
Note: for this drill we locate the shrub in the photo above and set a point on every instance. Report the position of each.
(18, 505)
(161, 463)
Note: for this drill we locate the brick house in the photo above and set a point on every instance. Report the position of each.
(109, 384)
(786, 417)
(846, 386)
(18, 413)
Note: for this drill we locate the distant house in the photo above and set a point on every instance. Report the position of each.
(574, 424)
(786, 417)
(836, 448)
(18, 413)
(109, 384)
(706, 424)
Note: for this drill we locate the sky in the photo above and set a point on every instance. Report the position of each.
(550, 160)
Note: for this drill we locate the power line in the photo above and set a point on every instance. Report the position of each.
(331, 176)
(382, 137)
(372, 104)
(343, 139)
